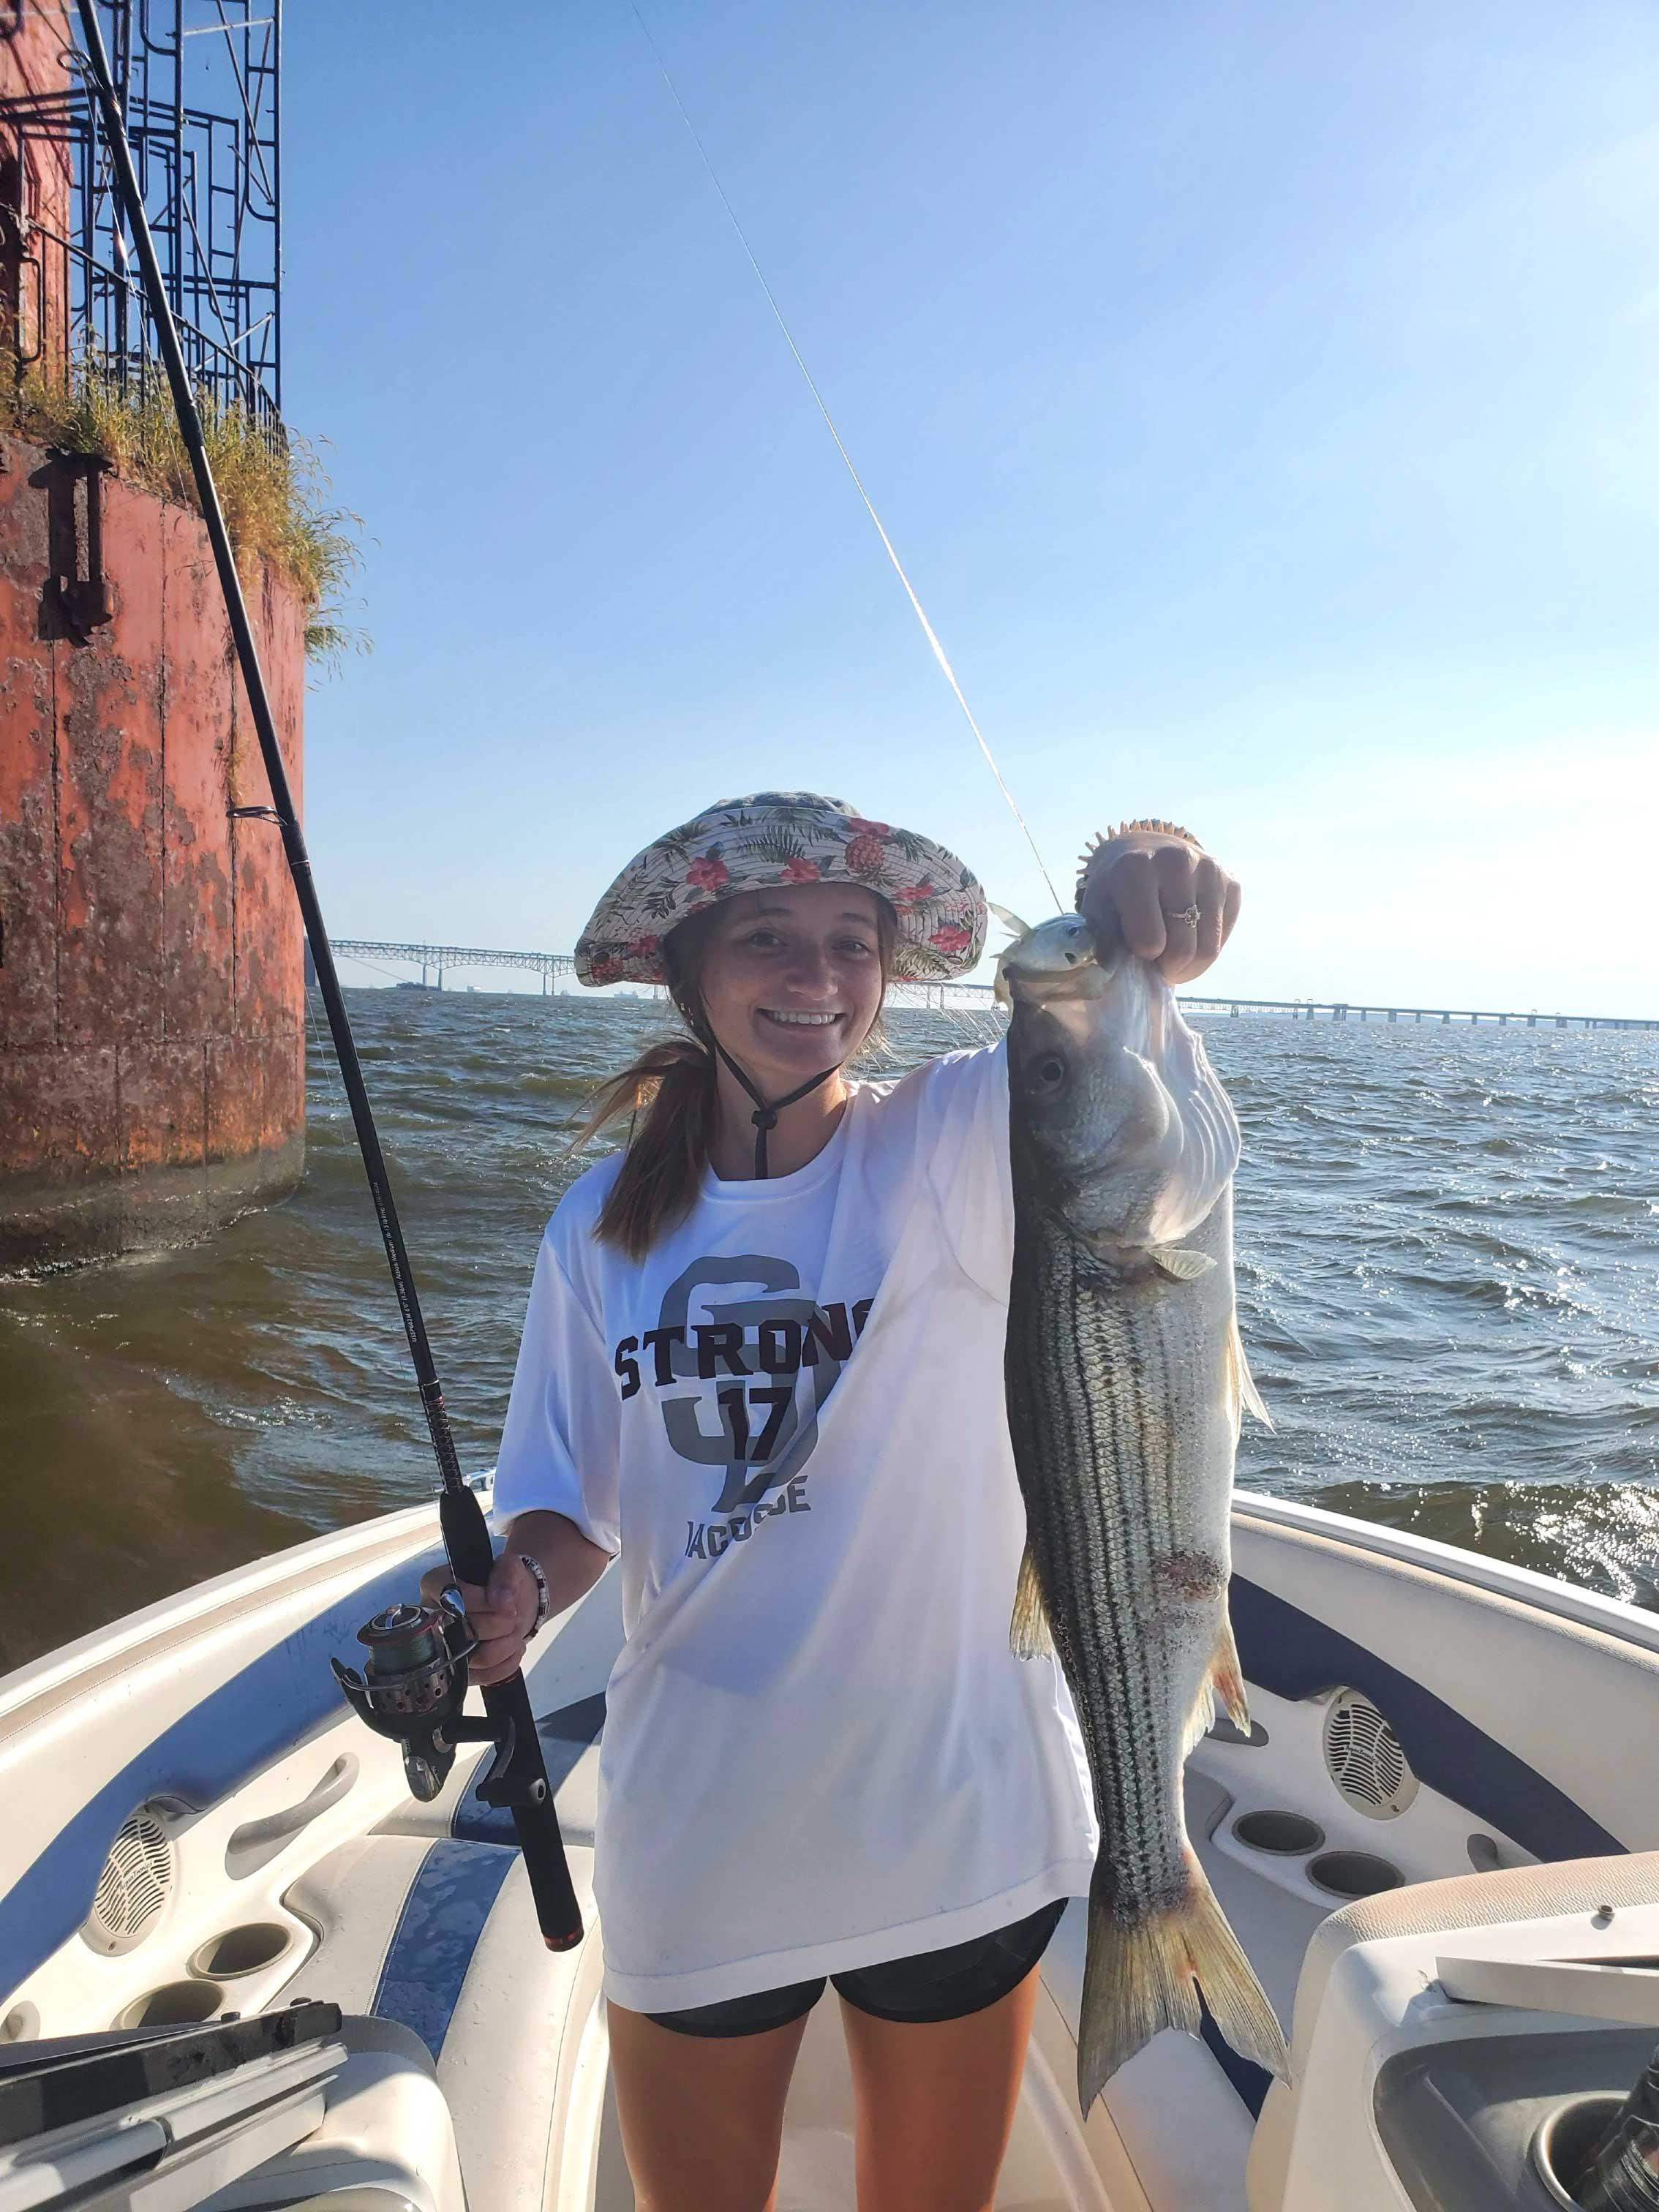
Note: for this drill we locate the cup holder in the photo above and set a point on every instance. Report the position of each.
(1354, 1874)
(1292, 1835)
(241, 1951)
(1564, 2139)
(175, 2004)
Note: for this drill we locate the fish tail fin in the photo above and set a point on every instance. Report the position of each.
(1145, 1976)
(1029, 1634)
(1239, 2004)
(1226, 1681)
(1138, 1979)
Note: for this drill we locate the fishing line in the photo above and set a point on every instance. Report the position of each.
(927, 630)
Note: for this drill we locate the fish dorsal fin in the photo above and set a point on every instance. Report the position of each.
(1241, 1382)
(1180, 1265)
(1028, 1636)
(1009, 921)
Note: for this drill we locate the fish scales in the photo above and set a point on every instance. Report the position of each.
(1092, 1541)
(1124, 1381)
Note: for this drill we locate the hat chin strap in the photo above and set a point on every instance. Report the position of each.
(765, 1116)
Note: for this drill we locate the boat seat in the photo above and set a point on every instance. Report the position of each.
(283, 2107)
(1428, 1908)
(386, 2139)
(439, 1934)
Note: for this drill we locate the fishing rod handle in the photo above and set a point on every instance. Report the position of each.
(471, 1557)
(558, 1914)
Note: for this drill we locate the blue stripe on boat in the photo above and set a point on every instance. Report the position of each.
(1295, 1655)
(437, 1932)
(207, 1752)
(565, 1736)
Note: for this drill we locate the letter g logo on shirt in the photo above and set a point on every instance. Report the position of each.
(747, 1356)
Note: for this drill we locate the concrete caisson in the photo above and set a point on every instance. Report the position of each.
(152, 994)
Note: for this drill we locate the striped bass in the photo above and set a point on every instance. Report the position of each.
(1124, 1382)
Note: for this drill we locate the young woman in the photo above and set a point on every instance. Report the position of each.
(763, 1362)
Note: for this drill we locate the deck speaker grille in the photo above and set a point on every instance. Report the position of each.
(135, 1883)
(1363, 1756)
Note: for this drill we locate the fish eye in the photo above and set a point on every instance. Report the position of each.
(1047, 1071)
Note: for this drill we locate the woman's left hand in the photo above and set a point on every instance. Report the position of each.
(1164, 897)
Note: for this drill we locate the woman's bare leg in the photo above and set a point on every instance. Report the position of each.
(935, 2103)
(702, 2116)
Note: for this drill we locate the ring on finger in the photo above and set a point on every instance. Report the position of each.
(1188, 914)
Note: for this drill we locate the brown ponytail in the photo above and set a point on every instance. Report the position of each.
(672, 1086)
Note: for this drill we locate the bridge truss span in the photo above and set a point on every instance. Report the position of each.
(559, 968)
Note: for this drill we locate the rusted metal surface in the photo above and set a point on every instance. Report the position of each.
(152, 1000)
(35, 191)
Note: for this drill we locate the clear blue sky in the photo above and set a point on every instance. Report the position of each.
(1263, 397)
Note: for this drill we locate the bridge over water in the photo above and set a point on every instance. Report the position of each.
(557, 970)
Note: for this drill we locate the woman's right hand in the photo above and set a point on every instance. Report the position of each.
(501, 1617)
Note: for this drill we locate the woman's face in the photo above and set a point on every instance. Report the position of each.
(791, 980)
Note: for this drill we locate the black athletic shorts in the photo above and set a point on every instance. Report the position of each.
(933, 1985)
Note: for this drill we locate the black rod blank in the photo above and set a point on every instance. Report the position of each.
(466, 1535)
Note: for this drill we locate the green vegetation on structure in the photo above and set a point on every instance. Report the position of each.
(273, 492)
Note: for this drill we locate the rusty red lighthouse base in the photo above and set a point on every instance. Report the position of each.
(152, 989)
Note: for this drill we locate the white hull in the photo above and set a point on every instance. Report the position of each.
(1526, 1710)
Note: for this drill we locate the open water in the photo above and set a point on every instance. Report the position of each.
(1448, 1270)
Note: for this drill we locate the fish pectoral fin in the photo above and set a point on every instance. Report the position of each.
(1242, 1381)
(1180, 1265)
(1029, 1634)
(1011, 922)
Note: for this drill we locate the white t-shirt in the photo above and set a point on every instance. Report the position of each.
(819, 1753)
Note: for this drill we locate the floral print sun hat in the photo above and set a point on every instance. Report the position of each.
(785, 837)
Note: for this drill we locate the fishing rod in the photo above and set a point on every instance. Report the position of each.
(414, 1682)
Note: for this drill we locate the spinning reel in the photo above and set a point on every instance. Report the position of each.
(412, 1688)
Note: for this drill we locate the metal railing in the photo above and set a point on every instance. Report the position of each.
(199, 86)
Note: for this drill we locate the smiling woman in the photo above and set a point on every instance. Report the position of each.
(776, 922)
(779, 989)
(763, 1363)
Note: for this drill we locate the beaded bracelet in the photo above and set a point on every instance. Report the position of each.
(543, 1595)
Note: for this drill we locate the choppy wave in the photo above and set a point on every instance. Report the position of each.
(1447, 1247)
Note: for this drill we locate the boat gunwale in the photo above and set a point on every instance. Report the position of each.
(1550, 1595)
(44, 1686)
